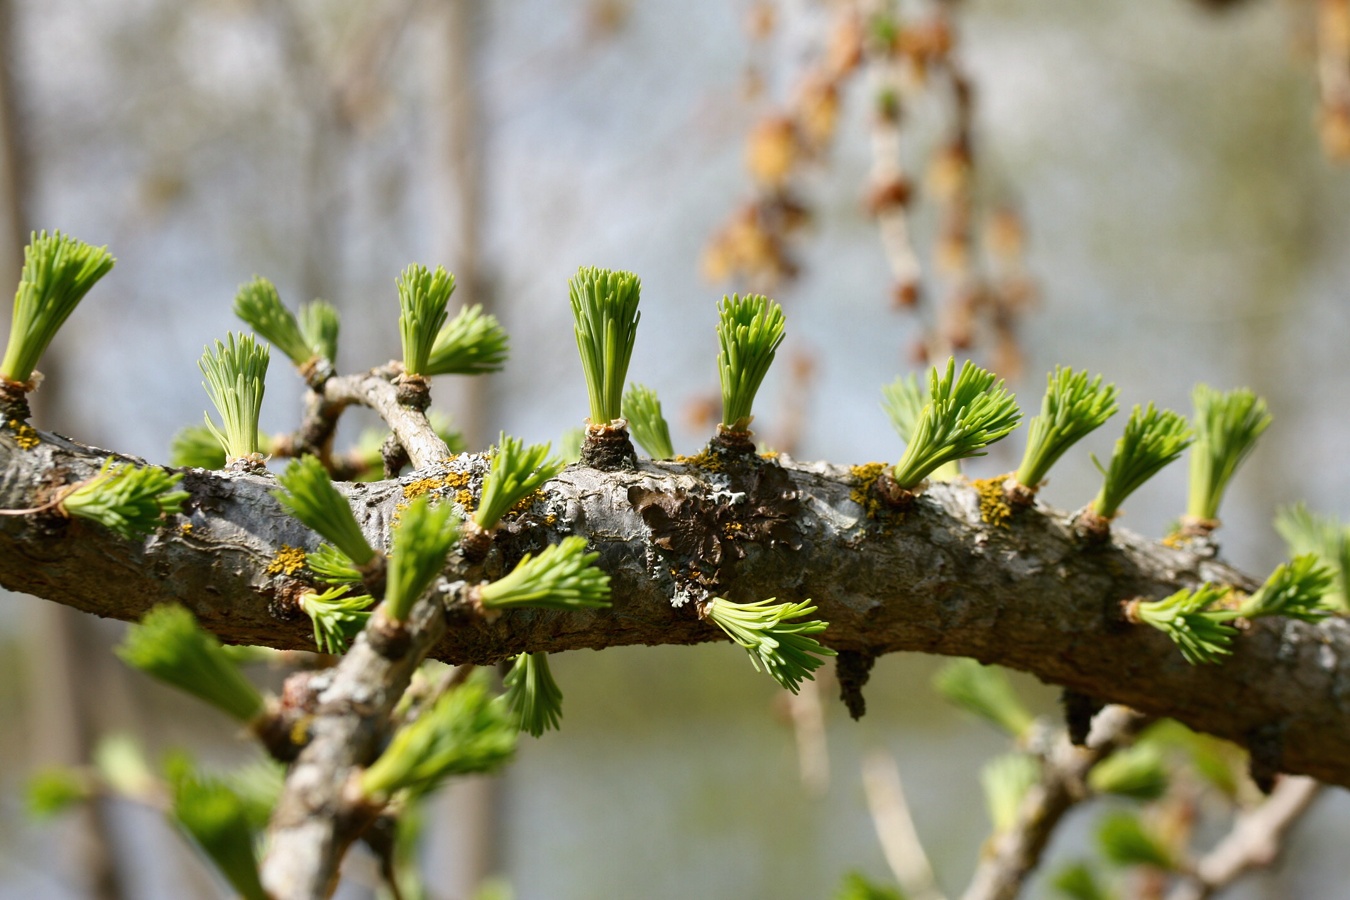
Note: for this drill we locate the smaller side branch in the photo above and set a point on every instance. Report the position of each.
(895, 828)
(313, 823)
(1256, 840)
(402, 405)
(1013, 856)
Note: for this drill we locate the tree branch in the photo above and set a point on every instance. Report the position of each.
(1256, 840)
(936, 580)
(1013, 856)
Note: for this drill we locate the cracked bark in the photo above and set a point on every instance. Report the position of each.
(936, 580)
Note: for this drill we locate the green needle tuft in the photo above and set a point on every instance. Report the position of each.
(516, 472)
(57, 272)
(1072, 408)
(856, 886)
(236, 375)
(422, 298)
(196, 447)
(985, 692)
(1078, 881)
(532, 695)
(308, 492)
(337, 618)
(332, 566)
(1226, 429)
(1006, 780)
(127, 500)
(259, 306)
(964, 414)
(605, 311)
(1136, 772)
(53, 790)
(320, 324)
(749, 331)
(1295, 589)
(1199, 632)
(217, 819)
(561, 577)
(168, 645)
(903, 400)
(422, 539)
(648, 426)
(1126, 842)
(786, 651)
(1325, 536)
(1152, 439)
(472, 343)
(464, 732)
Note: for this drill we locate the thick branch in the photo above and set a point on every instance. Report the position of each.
(937, 580)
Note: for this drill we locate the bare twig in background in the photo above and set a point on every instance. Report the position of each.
(1256, 840)
(806, 713)
(891, 190)
(1013, 856)
(895, 827)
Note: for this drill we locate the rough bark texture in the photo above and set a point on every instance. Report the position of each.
(936, 579)
(316, 819)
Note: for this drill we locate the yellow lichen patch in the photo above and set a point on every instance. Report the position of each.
(703, 460)
(451, 481)
(524, 503)
(300, 731)
(864, 477)
(464, 497)
(731, 529)
(994, 507)
(185, 527)
(422, 486)
(769, 454)
(288, 561)
(1175, 539)
(24, 434)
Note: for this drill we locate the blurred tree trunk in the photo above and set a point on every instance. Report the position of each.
(471, 844)
(63, 694)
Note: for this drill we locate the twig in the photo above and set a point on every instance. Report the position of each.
(1011, 857)
(807, 713)
(895, 827)
(312, 824)
(1255, 841)
(377, 390)
(890, 188)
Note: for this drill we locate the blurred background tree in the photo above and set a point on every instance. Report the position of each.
(1184, 224)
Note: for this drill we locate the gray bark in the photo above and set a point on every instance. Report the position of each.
(936, 579)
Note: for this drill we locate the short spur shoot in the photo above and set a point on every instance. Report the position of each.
(1153, 438)
(1226, 428)
(605, 311)
(57, 272)
(422, 299)
(964, 414)
(236, 375)
(785, 650)
(642, 409)
(749, 332)
(1072, 408)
